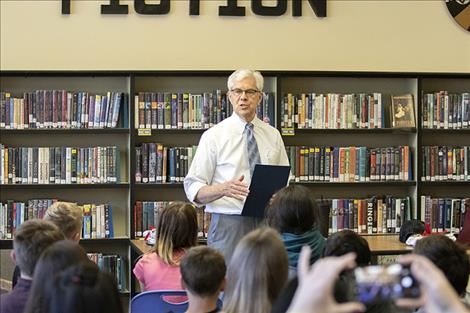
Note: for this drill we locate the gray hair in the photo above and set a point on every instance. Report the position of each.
(244, 73)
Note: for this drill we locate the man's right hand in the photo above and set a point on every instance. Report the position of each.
(235, 188)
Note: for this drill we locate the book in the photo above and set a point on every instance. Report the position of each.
(402, 111)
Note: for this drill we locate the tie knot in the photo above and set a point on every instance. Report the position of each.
(249, 126)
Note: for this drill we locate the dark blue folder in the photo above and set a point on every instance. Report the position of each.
(266, 180)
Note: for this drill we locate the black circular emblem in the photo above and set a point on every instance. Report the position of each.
(460, 10)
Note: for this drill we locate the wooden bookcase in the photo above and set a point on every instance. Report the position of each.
(123, 195)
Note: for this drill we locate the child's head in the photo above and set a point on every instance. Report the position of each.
(68, 217)
(346, 241)
(293, 210)
(256, 273)
(449, 257)
(203, 271)
(176, 229)
(83, 288)
(30, 240)
(53, 260)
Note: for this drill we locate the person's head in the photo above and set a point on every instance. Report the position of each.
(83, 288)
(176, 229)
(68, 217)
(245, 89)
(53, 260)
(346, 241)
(256, 273)
(293, 210)
(203, 271)
(30, 240)
(449, 257)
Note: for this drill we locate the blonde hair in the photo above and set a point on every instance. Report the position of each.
(176, 229)
(256, 273)
(67, 216)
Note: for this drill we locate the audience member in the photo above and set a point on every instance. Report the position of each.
(337, 244)
(68, 217)
(437, 295)
(53, 260)
(203, 276)
(82, 288)
(449, 257)
(294, 213)
(30, 240)
(176, 232)
(316, 283)
(256, 273)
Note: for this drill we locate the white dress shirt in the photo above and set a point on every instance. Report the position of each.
(222, 156)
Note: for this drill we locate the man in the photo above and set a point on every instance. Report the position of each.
(222, 167)
(30, 240)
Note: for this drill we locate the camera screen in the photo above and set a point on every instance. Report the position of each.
(381, 283)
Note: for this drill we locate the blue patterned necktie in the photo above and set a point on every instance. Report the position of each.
(252, 148)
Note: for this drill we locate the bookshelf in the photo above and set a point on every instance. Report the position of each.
(116, 194)
(124, 194)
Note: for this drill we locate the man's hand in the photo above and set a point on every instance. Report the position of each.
(235, 188)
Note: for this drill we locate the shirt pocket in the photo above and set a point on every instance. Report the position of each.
(271, 155)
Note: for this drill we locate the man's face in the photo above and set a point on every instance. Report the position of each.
(245, 103)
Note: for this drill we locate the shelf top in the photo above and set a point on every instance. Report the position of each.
(64, 186)
(29, 131)
(357, 130)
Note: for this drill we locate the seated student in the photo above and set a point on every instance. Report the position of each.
(176, 232)
(203, 276)
(316, 286)
(53, 260)
(338, 244)
(30, 240)
(294, 213)
(83, 288)
(256, 273)
(449, 257)
(68, 217)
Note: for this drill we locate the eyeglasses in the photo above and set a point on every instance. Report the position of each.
(249, 92)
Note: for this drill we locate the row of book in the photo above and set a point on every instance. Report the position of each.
(443, 110)
(113, 264)
(166, 110)
(156, 163)
(146, 217)
(350, 164)
(443, 163)
(59, 165)
(375, 215)
(14, 213)
(444, 214)
(60, 109)
(97, 219)
(332, 111)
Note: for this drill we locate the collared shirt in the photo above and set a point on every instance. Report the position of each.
(222, 156)
(15, 301)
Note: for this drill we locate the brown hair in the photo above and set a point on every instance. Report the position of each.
(293, 210)
(256, 273)
(203, 271)
(30, 240)
(67, 216)
(176, 229)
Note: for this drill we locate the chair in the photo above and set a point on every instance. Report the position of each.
(155, 302)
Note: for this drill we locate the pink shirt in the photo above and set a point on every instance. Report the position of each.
(155, 274)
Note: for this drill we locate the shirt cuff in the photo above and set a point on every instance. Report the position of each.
(192, 191)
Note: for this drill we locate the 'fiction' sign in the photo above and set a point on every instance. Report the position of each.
(230, 8)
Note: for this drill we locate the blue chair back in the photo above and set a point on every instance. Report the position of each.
(157, 302)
